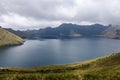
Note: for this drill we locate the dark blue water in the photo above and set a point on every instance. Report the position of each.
(36, 53)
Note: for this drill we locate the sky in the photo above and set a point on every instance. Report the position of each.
(34, 14)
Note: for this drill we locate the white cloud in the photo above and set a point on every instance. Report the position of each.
(17, 21)
(53, 12)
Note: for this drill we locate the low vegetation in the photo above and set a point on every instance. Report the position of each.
(7, 38)
(104, 68)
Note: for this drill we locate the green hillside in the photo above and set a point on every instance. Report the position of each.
(104, 68)
(7, 38)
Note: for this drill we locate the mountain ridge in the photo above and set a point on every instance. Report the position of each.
(65, 30)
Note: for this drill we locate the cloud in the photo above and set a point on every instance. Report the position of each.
(21, 22)
(54, 12)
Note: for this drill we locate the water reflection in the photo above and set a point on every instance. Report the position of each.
(55, 51)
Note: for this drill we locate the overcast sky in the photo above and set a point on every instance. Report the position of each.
(43, 13)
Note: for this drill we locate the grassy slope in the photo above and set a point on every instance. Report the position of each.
(7, 38)
(104, 68)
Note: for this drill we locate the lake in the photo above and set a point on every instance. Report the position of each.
(34, 53)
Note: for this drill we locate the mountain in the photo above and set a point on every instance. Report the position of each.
(7, 38)
(72, 30)
(112, 32)
(65, 30)
(104, 68)
(24, 34)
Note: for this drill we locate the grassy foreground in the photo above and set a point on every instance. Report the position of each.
(104, 68)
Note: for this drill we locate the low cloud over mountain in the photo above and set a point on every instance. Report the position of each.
(18, 13)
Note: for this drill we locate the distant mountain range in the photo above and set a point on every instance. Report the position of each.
(7, 38)
(65, 30)
(69, 30)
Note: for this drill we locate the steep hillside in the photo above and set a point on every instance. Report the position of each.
(112, 32)
(7, 38)
(104, 68)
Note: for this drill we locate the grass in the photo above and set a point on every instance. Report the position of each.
(104, 68)
(7, 38)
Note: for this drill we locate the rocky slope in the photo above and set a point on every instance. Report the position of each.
(112, 32)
